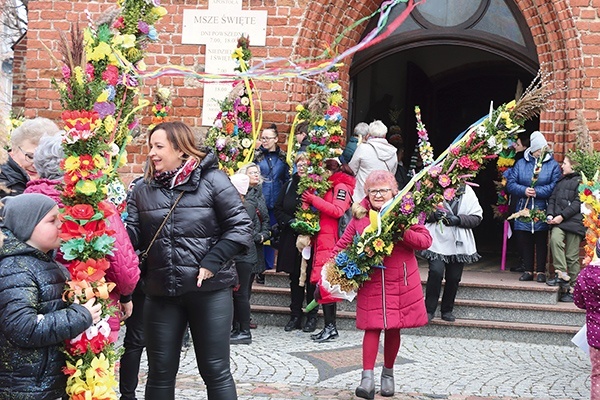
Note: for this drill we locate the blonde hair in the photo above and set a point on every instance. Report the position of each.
(245, 168)
(182, 138)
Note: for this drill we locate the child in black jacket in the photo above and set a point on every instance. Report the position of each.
(34, 320)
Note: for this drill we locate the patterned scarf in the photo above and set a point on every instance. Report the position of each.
(179, 175)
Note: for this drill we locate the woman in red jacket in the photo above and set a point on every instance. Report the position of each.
(393, 298)
(332, 206)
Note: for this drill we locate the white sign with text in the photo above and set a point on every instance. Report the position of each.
(219, 28)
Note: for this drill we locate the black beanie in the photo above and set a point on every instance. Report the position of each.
(22, 213)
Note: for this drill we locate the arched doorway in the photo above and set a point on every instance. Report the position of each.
(452, 58)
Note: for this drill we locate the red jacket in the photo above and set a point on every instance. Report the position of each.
(393, 297)
(124, 270)
(332, 206)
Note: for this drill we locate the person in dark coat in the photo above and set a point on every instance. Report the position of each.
(392, 299)
(189, 273)
(567, 229)
(360, 131)
(532, 236)
(19, 168)
(285, 208)
(34, 319)
(331, 207)
(275, 172)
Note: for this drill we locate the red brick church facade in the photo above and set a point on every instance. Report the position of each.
(566, 37)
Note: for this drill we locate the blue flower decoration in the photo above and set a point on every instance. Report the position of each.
(351, 270)
(341, 258)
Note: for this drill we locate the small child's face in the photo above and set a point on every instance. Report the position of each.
(567, 167)
(45, 235)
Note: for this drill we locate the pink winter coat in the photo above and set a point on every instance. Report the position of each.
(124, 270)
(393, 297)
(332, 206)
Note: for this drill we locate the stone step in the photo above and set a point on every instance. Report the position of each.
(551, 314)
(466, 328)
(500, 286)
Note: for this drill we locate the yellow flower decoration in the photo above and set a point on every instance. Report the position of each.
(123, 159)
(86, 187)
(78, 75)
(109, 123)
(103, 97)
(159, 11)
(99, 161)
(72, 163)
(389, 248)
(299, 108)
(378, 244)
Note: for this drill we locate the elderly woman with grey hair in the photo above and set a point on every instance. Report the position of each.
(375, 153)
(123, 271)
(20, 169)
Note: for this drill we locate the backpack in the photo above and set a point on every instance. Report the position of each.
(345, 220)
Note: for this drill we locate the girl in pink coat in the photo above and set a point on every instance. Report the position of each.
(332, 206)
(393, 298)
(124, 270)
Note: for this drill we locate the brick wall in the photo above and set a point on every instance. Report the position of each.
(566, 33)
(19, 71)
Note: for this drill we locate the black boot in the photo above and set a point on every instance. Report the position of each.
(329, 331)
(241, 337)
(293, 323)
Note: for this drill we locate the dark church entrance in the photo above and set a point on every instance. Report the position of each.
(453, 78)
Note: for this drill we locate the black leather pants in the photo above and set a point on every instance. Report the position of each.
(241, 297)
(134, 346)
(209, 315)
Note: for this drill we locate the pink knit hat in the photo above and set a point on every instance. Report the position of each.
(241, 183)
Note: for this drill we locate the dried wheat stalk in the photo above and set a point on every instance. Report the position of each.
(533, 101)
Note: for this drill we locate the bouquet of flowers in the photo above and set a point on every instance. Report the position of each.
(425, 149)
(97, 92)
(161, 107)
(325, 137)
(234, 132)
(506, 159)
(484, 140)
(589, 194)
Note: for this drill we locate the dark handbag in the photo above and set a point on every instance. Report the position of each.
(345, 220)
(144, 255)
(275, 236)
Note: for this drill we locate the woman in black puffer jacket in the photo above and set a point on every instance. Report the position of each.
(188, 278)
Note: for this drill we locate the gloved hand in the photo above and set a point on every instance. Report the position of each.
(451, 220)
(436, 216)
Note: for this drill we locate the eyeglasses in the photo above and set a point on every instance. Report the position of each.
(302, 165)
(265, 138)
(378, 192)
(28, 155)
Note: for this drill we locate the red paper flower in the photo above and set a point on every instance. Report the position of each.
(111, 75)
(71, 230)
(106, 208)
(90, 270)
(80, 211)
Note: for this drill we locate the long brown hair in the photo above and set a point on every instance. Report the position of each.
(182, 138)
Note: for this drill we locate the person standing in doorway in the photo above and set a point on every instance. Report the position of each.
(275, 172)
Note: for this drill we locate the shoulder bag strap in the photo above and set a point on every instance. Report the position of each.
(145, 253)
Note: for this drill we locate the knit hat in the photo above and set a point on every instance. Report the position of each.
(22, 213)
(241, 183)
(537, 141)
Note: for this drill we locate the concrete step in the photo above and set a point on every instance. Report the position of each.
(500, 286)
(550, 314)
(465, 328)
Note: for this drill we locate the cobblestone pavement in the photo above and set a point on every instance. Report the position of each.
(279, 365)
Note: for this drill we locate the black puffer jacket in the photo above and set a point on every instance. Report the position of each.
(34, 321)
(14, 177)
(209, 212)
(565, 201)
